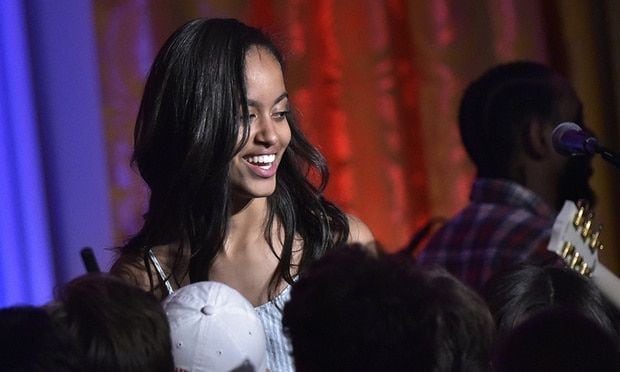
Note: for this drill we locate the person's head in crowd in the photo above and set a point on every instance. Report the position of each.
(118, 326)
(516, 294)
(31, 342)
(558, 339)
(352, 311)
(214, 328)
(506, 118)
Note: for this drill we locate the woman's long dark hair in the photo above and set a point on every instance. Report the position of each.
(185, 137)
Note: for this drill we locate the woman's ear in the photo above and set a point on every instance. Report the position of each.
(537, 140)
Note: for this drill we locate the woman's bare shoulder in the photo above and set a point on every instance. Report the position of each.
(360, 233)
(133, 269)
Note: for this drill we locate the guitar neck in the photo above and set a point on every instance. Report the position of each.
(574, 238)
(608, 283)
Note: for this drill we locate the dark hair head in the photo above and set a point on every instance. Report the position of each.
(187, 128)
(558, 339)
(496, 110)
(520, 292)
(186, 135)
(351, 311)
(119, 327)
(31, 341)
(186, 132)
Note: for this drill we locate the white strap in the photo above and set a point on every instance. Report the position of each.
(160, 271)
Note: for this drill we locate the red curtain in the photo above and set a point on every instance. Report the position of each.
(376, 83)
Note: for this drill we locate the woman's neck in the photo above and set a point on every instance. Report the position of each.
(246, 225)
(247, 261)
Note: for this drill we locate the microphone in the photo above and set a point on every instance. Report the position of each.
(570, 139)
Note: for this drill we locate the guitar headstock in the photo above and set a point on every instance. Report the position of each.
(575, 239)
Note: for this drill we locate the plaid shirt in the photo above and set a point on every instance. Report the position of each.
(503, 224)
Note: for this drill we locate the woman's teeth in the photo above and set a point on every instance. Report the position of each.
(262, 161)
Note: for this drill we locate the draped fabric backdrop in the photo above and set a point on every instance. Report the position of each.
(377, 86)
(53, 184)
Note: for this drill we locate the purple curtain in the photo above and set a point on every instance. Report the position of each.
(53, 173)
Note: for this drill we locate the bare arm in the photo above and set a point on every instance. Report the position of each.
(360, 233)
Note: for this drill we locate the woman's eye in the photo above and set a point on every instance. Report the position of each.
(280, 115)
(249, 118)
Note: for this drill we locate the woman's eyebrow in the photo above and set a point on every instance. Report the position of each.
(254, 103)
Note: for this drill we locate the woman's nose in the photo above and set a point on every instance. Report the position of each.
(266, 132)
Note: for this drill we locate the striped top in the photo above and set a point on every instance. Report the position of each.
(279, 349)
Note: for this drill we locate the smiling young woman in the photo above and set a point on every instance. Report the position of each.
(226, 165)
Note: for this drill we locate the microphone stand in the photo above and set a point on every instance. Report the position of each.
(608, 155)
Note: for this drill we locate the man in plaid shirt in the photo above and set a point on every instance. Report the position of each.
(506, 118)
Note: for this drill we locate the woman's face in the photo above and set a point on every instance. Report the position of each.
(253, 169)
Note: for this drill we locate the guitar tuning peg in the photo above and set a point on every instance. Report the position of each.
(587, 226)
(579, 215)
(567, 250)
(583, 203)
(595, 242)
(585, 270)
(576, 261)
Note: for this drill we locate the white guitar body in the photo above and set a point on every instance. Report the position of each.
(574, 239)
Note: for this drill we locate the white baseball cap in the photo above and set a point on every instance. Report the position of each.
(214, 328)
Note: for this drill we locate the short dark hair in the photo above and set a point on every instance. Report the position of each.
(118, 326)
(558, 339)
(496, 108)
(352, 311)
(518, 293)
(31, 341)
